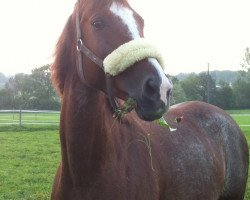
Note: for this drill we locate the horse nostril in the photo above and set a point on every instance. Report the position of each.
(151, 89)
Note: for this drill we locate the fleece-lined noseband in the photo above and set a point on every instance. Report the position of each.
(128, 54)
(117, 61)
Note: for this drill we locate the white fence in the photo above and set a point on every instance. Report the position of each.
(35, 117)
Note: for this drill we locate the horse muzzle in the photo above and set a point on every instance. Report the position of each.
(151, 113)
(151, 105)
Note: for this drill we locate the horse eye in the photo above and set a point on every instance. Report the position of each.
(98, 24)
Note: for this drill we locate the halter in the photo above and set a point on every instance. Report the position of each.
(117, 61)
(81, 48)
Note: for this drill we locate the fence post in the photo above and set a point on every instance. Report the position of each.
(20, 118)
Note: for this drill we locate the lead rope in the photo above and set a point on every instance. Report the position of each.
(81, 48)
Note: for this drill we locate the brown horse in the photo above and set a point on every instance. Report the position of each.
(206, 158)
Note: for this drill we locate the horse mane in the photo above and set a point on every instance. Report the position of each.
(63, 54)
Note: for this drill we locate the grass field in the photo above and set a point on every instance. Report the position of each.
(28, 161)
(29, 158)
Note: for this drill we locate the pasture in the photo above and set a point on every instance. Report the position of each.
(30, 155)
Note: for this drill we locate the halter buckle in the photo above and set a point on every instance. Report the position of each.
(79, 45)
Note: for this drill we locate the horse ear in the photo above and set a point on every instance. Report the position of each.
(63, 57)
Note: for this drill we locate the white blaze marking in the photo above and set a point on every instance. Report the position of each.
(126, 15)
(165, 83)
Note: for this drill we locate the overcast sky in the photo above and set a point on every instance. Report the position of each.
(189, 33)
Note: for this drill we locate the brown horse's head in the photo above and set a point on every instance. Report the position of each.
(105, 25)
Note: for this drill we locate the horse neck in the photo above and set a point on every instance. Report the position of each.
(85, 129)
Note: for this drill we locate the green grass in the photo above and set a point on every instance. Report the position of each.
(246, 131)
(30, 155)
(28, 128)
(242, 117)
(28, 161)
(242, 120)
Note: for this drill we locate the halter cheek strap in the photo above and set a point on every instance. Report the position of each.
(81, 48)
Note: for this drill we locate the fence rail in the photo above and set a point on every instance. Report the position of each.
(28, 117)
(50, 117)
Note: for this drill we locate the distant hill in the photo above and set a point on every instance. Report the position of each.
(3, 80)
(225, 76)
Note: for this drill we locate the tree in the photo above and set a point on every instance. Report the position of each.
(207, 87)
(44, 95)
(224, 96)
(241, 87)
(198, 87)
(33, 91)
(192, 88)
(246, 60)
(6, 99)
(178, 92)
(20, 87)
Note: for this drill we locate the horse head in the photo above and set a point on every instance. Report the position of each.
(112, 33)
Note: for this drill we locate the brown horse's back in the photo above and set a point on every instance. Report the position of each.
(207, 155)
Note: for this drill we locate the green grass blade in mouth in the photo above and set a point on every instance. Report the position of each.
(127, 107)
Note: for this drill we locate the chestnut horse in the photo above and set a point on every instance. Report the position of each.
(206, 158)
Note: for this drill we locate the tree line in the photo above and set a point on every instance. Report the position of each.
(224, 94)
(35, 91)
